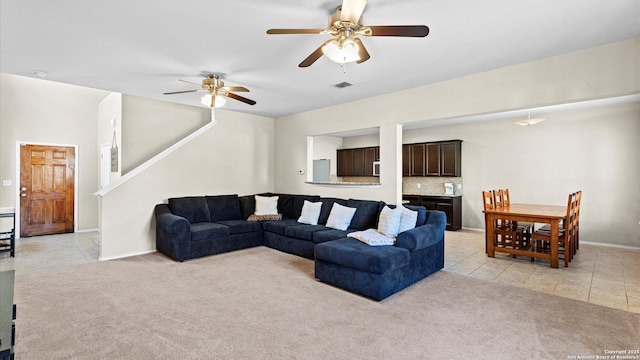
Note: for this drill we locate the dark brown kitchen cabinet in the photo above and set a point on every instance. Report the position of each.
(450, 205)
(370, 155)
(357, 162)
(406, 160)
(345, 162)
(442, 158)
(432, 159)
(417, 160)
(450, 159)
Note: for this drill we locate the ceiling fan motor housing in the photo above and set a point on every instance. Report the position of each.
(212, 81)
(336, 24)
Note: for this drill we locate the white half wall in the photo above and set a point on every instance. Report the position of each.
(233, 157)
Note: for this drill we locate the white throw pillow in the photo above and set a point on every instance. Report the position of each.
(266, 205)
(340, 216)
(372, 238)
(310, 212)
(389, 222)
(408, 220)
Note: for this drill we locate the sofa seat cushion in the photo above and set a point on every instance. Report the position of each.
(303, 232)
(278, 227)
(357, 255)
(240, 226)
(207, 230)
(328, 235)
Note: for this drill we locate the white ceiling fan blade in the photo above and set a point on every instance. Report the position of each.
(352, 10)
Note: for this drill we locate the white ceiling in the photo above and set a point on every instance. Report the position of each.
(143, 47)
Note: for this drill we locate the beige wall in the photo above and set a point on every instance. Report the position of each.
(41, 111)
(324, 147)
(233, 157)
(170, 123)
(606, 71)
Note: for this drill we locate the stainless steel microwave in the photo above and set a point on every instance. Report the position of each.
(376, 168)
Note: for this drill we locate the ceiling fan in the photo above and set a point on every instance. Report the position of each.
(345, 25)
(216, 91)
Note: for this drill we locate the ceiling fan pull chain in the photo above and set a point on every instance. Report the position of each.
(344, 68)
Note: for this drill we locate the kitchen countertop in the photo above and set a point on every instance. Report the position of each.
(443, 195)
(342, 183)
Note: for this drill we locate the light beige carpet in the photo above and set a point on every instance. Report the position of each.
(264, 304)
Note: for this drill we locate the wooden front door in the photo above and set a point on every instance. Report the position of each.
(46, 189)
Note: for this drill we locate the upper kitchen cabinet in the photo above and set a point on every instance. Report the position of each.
(406, 160)
(450, 158)
(418, 159)
(357, 162)
(442, 158)
(345, 162)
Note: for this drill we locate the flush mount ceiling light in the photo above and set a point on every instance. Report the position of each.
(39, 74)
(529, 121)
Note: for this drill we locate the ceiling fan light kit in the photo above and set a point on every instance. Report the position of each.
(345, 25)
(213, 101)
(341, 50)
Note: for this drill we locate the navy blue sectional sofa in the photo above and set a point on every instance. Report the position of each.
(192, 227)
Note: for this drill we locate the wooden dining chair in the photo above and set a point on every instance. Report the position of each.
(540, 239)
(510, 234)
(488, 204)
(525, 227)
(576, 222)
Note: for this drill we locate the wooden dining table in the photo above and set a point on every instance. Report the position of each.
(549, 214)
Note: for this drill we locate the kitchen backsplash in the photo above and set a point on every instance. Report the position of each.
(360, 179)
(429, 185)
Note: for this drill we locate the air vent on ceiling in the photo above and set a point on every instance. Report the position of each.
(342, 85)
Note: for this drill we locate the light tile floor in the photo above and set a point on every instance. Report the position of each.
(601, 275)
(40, 253)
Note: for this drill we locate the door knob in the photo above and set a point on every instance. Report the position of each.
(23, 195)
(23, 188)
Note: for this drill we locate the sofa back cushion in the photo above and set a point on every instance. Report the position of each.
(192, 208)
(366, 216)
(247, 206)
(327, 204)
(223, 207)
(285, 206)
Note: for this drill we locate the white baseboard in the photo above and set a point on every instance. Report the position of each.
(88, 230)
(126, 255)
(611, 245)
(472, 229)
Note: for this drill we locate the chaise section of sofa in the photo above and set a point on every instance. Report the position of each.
(380, 271)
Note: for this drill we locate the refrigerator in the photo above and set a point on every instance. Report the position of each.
(321, 170)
